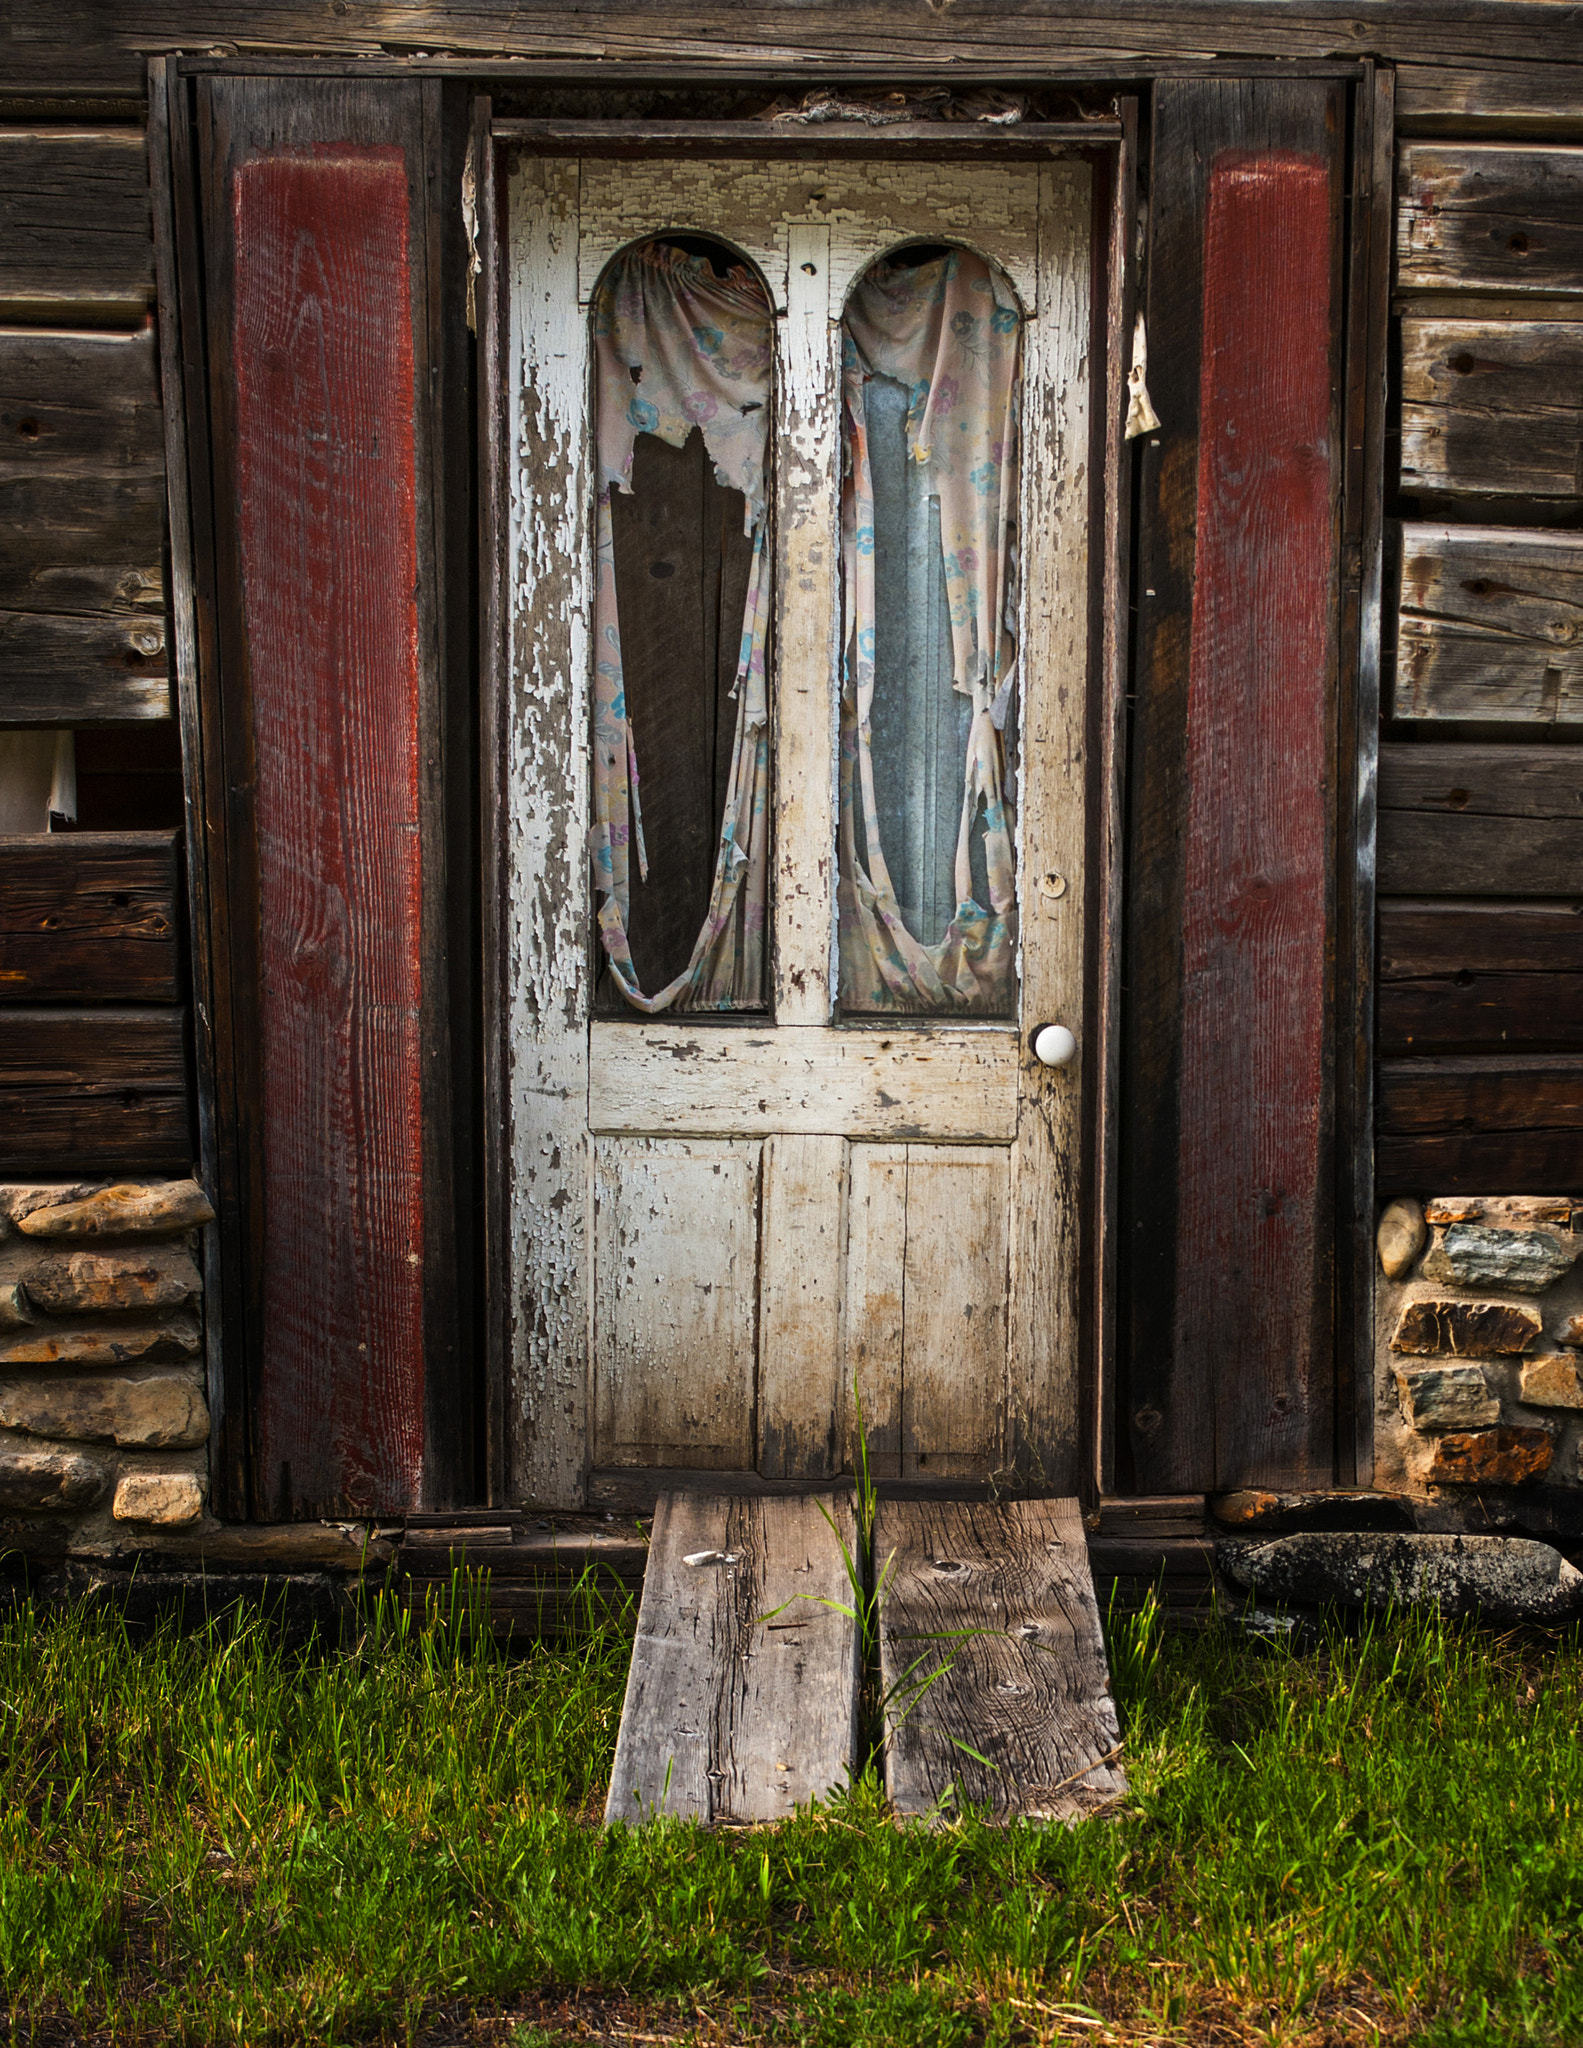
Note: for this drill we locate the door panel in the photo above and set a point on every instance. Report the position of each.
(784, 1206)
(676, 1228)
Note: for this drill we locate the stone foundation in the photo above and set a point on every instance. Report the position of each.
(103, 1418)
(1479, 1343)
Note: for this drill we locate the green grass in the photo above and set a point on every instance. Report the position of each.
(207, 1840)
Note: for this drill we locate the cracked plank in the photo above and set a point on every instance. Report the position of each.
(734, 1711)
(997, 1596)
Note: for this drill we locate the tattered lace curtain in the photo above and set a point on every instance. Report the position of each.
(949, 333)
(678, 348)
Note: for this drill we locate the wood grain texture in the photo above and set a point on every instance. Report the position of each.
(804, 690)
(75, 232)
(82, 540)
(1480, 977)
(1521, 1094)
(73, 46)
(999, 1594)
(322, 346)
(956, 1290)
(1459, 99)
(1489, 217)
(1168, 1441)
(1490, 625)
(1492, 408)
(1253, 1258)
(94, 1091)
(89, 917)
(67, 671)
(545, 863)
(1464, 820)
(930, 142)
(84, 403)
(700, 1081)
(801, 1241)
(676, 1283)
(873, 1306)
(741, 1699)
(1488, 1126)
(1048, 1186)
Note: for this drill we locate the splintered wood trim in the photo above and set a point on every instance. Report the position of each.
(805, 688)
(546, 863)
(998, 1599)
(742, 1694)
(949, 1084)
(930, 141)
(1042, 1337)
(801, 1234)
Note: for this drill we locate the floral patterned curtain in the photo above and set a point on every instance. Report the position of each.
(678, 348)
(950, 333)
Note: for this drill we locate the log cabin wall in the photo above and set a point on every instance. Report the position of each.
(1479, 1157)
(96, 1082)
(103, 1410)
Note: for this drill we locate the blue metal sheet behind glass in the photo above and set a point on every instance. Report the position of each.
(931, 348)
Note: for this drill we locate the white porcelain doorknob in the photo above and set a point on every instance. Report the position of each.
(1053, 1045)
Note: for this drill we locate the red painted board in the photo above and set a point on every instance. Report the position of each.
(323, 353)
(1252, 1215)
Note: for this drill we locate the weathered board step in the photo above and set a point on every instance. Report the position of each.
(999, 1595)
(743, 1689)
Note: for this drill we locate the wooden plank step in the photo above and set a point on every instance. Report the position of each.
(736, 1712)
(997, 1597)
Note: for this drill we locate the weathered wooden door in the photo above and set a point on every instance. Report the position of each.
(723, 1221)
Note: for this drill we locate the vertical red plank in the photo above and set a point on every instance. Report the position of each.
(1253, 1214)
(323, 358)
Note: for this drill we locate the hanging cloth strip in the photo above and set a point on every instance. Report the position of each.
(678, 348)
(950, 333)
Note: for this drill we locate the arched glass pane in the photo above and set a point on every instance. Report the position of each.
(930, 392)
(680, 842)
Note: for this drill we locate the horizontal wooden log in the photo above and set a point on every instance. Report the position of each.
(1479, 977)
(1492, 408)
(89, 917)
(1490, 626)
(928, 141)
(93, 1091)
(1477, 1162)
(1458, 98)
(74, 541)
(1524, 1093)
(72, 669)
(1489, 217)
(77, 45)
(76, 234)
(70, 400)
(1480, 821)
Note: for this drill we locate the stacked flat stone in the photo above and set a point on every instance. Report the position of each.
(102, 1409)
(1480, 1376)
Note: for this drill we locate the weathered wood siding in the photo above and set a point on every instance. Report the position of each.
(1480, 857)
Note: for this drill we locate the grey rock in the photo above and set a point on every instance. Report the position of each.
(1400, 1237)
(1446, 1397)
(1501, 1578)
(1526, 1261)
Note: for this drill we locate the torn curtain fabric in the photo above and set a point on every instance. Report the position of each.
(678, 348)
(949, 332)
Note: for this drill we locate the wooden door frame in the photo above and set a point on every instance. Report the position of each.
(210, 671)
(1366, 227)
(1112, 154)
